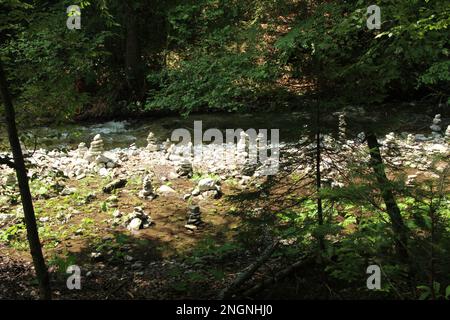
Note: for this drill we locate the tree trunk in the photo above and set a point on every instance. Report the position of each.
(133, 61)
(319, 180)
(386, 189)
(25, 194)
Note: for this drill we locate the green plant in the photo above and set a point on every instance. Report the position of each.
(62, 262)
(434, 293)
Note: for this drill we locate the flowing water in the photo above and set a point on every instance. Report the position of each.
(292, 126)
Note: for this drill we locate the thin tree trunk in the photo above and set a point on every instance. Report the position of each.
(386, 189)
(319, 179)
(133, 61)
(25, 194)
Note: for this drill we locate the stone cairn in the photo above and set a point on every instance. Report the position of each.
(410, 139)
(167, 144)
(194, 218)
(248, 168)
(147, 192)
(152, 144)
(447, 134)
(242, 145)
(185, 169)
(170, 150)
(411, 180)
(82, 150)
(435, 127)
(342, 127)
(138, 219)
(391, 144)
(242, 149)
(95, 149)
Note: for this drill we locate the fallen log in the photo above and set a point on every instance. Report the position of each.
(279, 276)
(248, 272)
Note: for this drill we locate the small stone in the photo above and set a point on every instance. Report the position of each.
(112, 199)
(206, 184)
(116, 184)
(117, 214)
(96, 255)
(68, 191)
(152, 145)
(173, 175)
(89, 198)
(135, 224)
(166, 190)
(103, 172)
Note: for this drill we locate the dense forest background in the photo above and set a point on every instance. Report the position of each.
(219, 55)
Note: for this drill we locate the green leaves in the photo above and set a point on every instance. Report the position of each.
(334, 46)
(429, 293)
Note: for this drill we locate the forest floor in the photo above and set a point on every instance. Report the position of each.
(130, 259)
(164, 261)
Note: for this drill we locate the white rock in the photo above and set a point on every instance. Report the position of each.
(135, 224)
(68, 191)
(103, 172)
(164, 189)
(206, 184)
